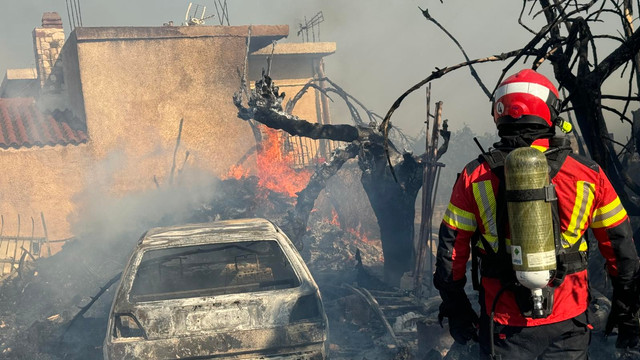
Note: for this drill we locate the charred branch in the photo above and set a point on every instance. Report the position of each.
(438, 73)
(619, 113)
(95, 298)
(624, 53)
(635, 131)
(346, 97)
(385, 126)
(265, 106)
(296, 222)
(464, 53)
(392, 198)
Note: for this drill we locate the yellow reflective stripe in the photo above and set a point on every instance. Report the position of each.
(486, 200)
(459, 219)
(540, 148)
(584, 201)
(608, 214)
(584, 246)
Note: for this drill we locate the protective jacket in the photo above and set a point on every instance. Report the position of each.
(586, 199)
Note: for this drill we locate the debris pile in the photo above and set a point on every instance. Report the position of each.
(368, 319)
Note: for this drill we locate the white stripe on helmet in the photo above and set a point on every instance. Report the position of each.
(534, 89)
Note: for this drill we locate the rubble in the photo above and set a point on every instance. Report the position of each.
(39, 310)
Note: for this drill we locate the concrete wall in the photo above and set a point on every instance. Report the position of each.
(137, 83)
(39, 181)
(132, 86)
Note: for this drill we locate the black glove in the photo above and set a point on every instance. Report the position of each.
(463, 320)
(624, 315)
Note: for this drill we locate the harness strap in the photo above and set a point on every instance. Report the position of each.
(497, 264)
(546, 193)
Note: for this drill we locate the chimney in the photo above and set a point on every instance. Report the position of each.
(47, 45)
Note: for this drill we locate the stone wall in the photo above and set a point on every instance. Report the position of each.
(48, 42)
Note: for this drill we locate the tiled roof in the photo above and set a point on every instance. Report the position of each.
(22, 124)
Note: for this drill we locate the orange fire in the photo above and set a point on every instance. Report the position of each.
(334, 218)
(274, 166)
(362, 235)
(237, 172)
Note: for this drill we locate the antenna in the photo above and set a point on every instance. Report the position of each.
(195, 15)
(222, 11)
(74, 13)
(311, 24)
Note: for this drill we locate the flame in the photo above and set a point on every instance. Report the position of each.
(237, 172)
(363, 235)
(274, 166)
(334, 218)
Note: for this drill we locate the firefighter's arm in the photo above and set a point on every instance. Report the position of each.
(458, 225)
(611, 226)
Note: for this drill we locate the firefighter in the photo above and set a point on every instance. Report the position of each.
(476, 224)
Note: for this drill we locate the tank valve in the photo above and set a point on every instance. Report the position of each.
(538, 306)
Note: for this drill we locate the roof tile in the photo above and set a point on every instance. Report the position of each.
(22, 124)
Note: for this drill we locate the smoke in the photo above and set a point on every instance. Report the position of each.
(383, 47)
(107, 218)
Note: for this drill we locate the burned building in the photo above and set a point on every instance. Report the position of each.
(102, 110)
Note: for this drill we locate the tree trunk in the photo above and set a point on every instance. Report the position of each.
(394, 205)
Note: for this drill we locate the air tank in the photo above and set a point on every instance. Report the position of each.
(533, 255)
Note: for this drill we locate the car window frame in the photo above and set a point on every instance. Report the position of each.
(130, 275)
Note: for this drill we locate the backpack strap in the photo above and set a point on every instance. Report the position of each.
(568, 259)
(500, 265)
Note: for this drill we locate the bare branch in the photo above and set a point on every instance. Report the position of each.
(475, 75)
(618, 97)
(622, 116)
(630, 90)
(524, 5)
(296, 220)
(625, 52)
(385, 125)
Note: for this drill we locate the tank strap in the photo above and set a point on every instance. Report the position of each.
(546, 193)
(497, 265)
(569, 261)
(556, 157)
(494, 158)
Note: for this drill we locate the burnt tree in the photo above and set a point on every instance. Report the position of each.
(567, 42)
(392, 197)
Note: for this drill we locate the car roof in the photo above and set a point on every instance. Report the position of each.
(216, 231)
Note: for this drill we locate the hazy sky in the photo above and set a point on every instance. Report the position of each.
(383, 47)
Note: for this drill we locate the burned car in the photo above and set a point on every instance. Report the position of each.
(234, 289)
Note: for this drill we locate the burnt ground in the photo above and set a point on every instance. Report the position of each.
(38, 303)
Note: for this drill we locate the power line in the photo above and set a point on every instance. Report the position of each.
(72, 23)
(79, 13)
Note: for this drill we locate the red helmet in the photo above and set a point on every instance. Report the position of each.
(526, 98)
